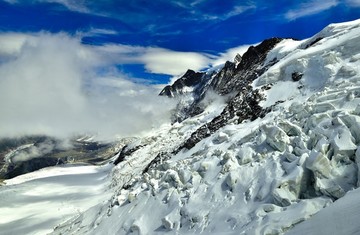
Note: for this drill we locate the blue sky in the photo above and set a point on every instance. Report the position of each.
(207, 28)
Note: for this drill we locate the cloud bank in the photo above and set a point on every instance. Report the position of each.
(310, 8)
(54, 85)
(155, 59)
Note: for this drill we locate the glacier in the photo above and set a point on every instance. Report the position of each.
(269, 145)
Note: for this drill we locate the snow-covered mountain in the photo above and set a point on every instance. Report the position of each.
(267, 144)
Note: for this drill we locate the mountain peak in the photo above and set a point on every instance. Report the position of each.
(182, 85)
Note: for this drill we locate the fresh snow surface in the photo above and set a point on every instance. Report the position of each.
(289, 172)
(342, 217)
(35, 203)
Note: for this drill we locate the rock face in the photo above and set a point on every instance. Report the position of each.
(237, 59)
(189, 80)
(233, 79)
(251, 67)
(245, 105)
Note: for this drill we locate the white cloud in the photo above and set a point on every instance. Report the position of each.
(157, 60)
(165, 61)
(11, 43)
(52, 85)
(353, 3)
(96, 32)
(73, 5)
(237, 10)
(218, 61)
(198, 9)
(310, 8)
(230, 54)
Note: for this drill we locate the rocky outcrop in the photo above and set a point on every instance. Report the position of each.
(235, 79)
(296, 76)
(190, 79)
(245, 105)
(251, 67)
(126, 151)
(225, 75)
(232, 79)
(237, 59)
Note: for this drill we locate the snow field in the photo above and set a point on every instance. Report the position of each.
(37, 202)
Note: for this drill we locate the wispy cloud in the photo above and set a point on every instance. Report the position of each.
(310, 8)
(162, 18)
(73, 5)
(155, 59)
(237, 10)
(230, 54)
(165, 61)
(97, 31)
(202, 14)
(353, 3)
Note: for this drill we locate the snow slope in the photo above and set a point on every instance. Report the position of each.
(35, 203)
(342, 217)
(288, 172)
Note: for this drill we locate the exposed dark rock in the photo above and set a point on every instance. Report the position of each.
(237, 59)
(243, 106)
(224, 76)
(233, 79)
(251, 67)
(311, 43)
(126, 151)
(194, 107)
(158, 160)
(189, 79)
(296, 76)
(267, 87)
(31, 165)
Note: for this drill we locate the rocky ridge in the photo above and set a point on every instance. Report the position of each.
(231, 80)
